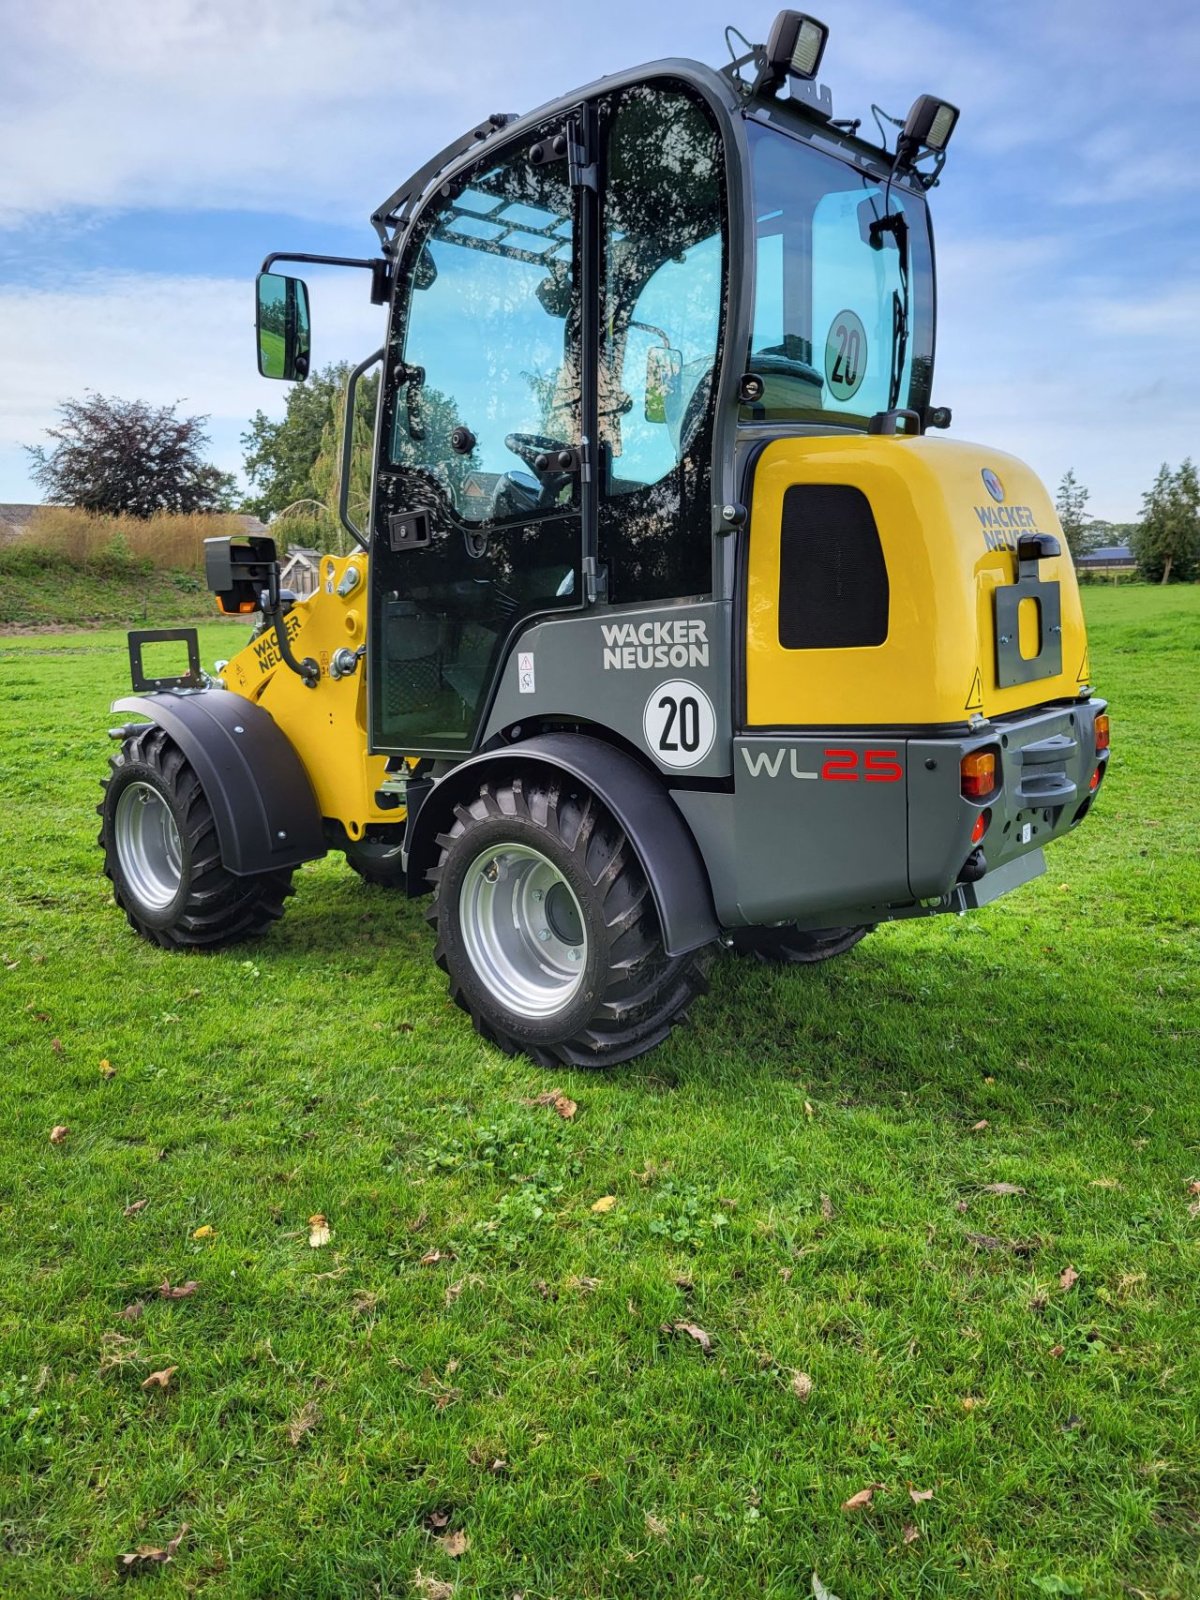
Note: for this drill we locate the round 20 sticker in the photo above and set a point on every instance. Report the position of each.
(845, 355)
(679, 723)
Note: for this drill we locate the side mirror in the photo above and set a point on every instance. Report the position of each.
(284, 337)
(664, 370)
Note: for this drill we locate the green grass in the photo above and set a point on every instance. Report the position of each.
(324, 1070)
(40, 588)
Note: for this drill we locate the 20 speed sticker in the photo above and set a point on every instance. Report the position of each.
(679, 723)
(845, 355)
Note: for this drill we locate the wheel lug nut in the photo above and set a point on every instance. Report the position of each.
(544, 935)
(574, 955)
(538, 896)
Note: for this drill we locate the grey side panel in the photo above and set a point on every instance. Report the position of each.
(262, 801)
(606, 666)
(668, 854)
(820, 824)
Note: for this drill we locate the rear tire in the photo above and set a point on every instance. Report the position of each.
(548, 931)
(788, 946)
(160, 847)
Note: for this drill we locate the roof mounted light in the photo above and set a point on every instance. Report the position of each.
(794, 50)
(928, 126)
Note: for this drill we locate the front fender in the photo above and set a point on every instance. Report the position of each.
(263, 804)
(637, 798)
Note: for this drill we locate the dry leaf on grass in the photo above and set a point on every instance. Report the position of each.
(655, 1528)
(134, 1206)
(1067, 1277)
(801, 1385)
(1194, 1186)
(863, 1498)
(303, 1422)
(57, 1046)
(978, 1127)
(318, 1230)
(432, 1257)
(605, 1203)
(970, 1401)
(558, 1101)
(58, 1133)
(454, 1544)
(181, 1291)
(1058, 1350)
(808, 1110)
(693, 1331)
(827, 1208)
(917, 1495)
(132, 1312)
(911, 1532)
(432, 1588)
(147, 1556)
(986, 1241)
(820, 1592)
(160, 1380)
(437, 1519)
(204, 1232)
(1002, 1188)
(107, 1070)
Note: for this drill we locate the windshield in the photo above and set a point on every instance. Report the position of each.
(843, 307)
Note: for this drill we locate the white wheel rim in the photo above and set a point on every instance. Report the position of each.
(523, 930)
(147, 845)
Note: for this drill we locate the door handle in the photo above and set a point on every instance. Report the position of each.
(348, 448)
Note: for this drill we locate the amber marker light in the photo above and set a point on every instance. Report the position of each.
(978, 773)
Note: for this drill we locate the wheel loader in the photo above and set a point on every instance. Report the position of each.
(670, 626)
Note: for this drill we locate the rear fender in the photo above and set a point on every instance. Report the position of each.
(263, 804)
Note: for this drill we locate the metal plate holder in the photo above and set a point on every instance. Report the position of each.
(1011, 666)
(193, 678)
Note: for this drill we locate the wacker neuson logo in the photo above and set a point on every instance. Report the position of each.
(655, 644)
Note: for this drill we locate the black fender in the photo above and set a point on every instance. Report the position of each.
(668, 853)
(263, 803)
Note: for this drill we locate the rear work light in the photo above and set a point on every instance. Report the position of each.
(1102, 734)
(978, 774)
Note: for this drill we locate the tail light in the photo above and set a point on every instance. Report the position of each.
(978, 773)
(981, 826)
(1094, 782)
(1102, 732)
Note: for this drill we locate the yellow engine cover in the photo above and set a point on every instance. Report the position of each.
(948, 517)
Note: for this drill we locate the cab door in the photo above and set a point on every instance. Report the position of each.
(477, 517)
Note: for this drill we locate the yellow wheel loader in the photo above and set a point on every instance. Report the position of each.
(671, 625)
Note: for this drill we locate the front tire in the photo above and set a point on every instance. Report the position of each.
(159, 839)
(548, 931)
(789, 946)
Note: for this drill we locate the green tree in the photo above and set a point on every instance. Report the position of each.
(1071, 504)
(327, 468)
(125, 457)
(1166, 541)
(280, 456)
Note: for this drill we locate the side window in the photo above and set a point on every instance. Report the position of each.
(491, 344)
(664, 267)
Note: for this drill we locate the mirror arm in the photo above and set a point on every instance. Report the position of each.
(379, 268)
(348, 448)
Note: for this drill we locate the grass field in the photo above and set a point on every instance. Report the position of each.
(469, 1390)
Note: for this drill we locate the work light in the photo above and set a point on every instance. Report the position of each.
(928, 126)
(794, 49)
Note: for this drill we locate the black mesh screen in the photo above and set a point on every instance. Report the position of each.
(833, 584)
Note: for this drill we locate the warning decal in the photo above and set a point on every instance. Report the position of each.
(975, 694)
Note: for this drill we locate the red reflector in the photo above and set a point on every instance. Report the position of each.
(1102, 732)
(1095, 781)
(981, 826)
(978, 774)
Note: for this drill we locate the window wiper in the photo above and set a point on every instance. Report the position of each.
(896, 224)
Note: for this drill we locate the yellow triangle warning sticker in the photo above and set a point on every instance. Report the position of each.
(1085, 668)
(975, 696)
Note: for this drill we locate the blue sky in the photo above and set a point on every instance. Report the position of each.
(152, 151)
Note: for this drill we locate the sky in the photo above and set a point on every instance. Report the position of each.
(153, 151)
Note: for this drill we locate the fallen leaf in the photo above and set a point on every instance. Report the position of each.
(969, 1402)
(583, 1284)
(147, 1556)
(911, 1532)
(498, 1466)
(1067, 1277)
(431, 1258)
(1058, 1350)
(303, 1422)
(1194, 1209)
(134, 1206)
(1194, 1186)
(786, 1274)
(1002, 1188)
(160, 1380)
(57, 1046)
(808, 1110)
(685, 1284)
(605, 1203)
(132, 1312)
(820, 1592)
(437, 1519)
(802, 1385)
(204, 1232)
(454, 1544)
(432, 1588)
(318, 1230)
(655, 1528)
(180, 1292)
(827, 1208)
(960, 1206)
(565, 1106)
(693, 1331)
(107, 1070)
(917, 1495)
(863, 1498)
(58, 1133)
(986, 1241)
(363, 1303)
(978, 1127)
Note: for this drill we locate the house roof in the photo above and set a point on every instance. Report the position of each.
(1109, 552)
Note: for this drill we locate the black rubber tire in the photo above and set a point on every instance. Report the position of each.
(378, 861)
(212, 907)
(790, 947)
(632, 993)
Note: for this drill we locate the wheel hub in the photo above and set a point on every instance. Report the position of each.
(523, 930)
(147, 845)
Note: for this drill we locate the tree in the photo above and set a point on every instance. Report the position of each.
(326, 471)
(125, 457)
(1166, 541)
(1071, 504)
(280, 456)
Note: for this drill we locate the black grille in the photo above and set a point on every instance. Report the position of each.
(833, 582)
